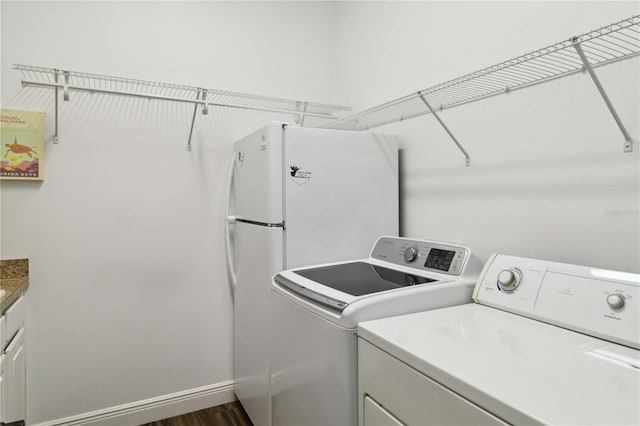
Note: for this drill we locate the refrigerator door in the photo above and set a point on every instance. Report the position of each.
(257, 177)
(258, 256)
(341, 194)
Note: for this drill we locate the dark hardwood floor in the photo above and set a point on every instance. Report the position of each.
(231, 414)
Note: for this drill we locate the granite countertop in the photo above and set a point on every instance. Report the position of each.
(14, 280)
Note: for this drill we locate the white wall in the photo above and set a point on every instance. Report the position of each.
(128, 297)
(549, 178)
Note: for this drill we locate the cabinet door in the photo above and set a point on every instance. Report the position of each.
(376, 415)
(14, 380)
(2, 393)
(15, 317)
(3, 334)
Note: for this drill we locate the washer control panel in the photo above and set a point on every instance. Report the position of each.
(601, 303)
(421, 254)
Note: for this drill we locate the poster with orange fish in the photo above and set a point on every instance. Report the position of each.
(22, 134)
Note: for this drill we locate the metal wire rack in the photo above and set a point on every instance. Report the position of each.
(94, 83)
(611, 43)
(72, 80)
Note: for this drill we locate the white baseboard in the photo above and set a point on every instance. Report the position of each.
(148, 410)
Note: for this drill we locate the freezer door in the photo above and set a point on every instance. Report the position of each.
(341, 194)
(258, 176)
(258, 256)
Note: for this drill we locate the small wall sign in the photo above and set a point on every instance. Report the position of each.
(22, 143)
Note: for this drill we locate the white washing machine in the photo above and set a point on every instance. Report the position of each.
(316, 311)
(545, 343)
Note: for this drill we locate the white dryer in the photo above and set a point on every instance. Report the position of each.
(545, 343)
(316, 311)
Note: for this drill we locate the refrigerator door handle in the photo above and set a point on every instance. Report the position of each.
(229, 220)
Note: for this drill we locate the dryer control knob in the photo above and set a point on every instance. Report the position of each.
(509, 279)
(615, 301)
(410, 254)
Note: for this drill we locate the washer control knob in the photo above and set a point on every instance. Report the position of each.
(615, 301)
(508, 279)
(410, 254)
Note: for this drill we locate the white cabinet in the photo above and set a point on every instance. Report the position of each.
(13, 364)
(14, 378)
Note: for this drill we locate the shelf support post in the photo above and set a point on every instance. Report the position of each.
(302, 116)
(65, 93)
(205, 106)
(55, 113)
(628, 142)
(193, 119)
(446, 129)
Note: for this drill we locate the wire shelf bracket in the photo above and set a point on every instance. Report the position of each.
(65, 97)
(602, 46)
(95, 83)
(300, 118)
(195, 112)
(446, 129)
(628, 142)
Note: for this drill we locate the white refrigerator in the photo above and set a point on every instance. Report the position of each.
(298, 196)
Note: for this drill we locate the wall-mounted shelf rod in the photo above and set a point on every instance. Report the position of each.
(95, 83)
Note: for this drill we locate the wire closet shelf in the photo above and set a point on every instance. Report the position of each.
(605, 45)
(201, 97)
(96, 83)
